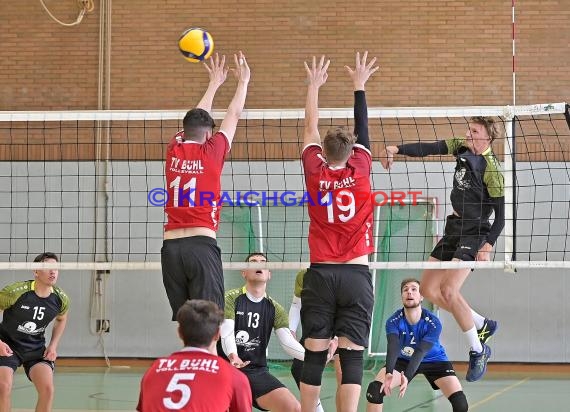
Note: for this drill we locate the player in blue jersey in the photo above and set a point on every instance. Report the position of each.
(29, 307)
(414, 348)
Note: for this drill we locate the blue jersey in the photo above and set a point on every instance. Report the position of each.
(427, 329)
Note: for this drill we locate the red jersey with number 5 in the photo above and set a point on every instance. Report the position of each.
(193, 173)
(340, 205)
(194, 380)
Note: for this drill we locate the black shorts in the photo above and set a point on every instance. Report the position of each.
(192, 269)
(28, 359)
(461, 239)
(337, 299)
(261, 382)
(431, 370)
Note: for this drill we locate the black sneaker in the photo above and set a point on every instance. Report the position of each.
(489, 328)
(478, 364)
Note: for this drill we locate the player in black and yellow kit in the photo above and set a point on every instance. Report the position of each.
(29, 307)
(478, 191)
(251, 315)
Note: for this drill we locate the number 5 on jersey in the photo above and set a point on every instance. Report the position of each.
(174, 385)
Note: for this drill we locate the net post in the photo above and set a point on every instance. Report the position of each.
(510, 186)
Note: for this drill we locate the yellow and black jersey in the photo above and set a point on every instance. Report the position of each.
(27, 315)
(299, 282)
(478, 180)
(253, 324)
(478, 184)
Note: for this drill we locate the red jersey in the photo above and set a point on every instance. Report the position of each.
(194, 380)
(340, 209)
(193, 173)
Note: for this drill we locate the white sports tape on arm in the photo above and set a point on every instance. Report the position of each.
(289, 344)
(295, 313)
(228, 337)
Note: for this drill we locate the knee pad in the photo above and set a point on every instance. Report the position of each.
(458, 402)
(373, 394)
(296, 370)
(313, 367)
(351, 365)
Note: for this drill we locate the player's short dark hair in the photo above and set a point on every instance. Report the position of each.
(338, 144)
(196, 122)
(199, 321)
(492, 126)
(45, 256)
(255, 254)
(406, 281)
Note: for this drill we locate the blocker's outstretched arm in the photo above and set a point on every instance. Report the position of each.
(316, 77)
(218, 73)
(360, 75)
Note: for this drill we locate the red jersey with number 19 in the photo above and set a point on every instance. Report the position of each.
(193, 172)
(340, 206)
(194, 380)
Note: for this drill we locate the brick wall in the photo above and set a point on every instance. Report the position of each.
(432, 52)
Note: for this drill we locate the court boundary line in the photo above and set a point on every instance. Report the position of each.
(498, 393)
(419, 405)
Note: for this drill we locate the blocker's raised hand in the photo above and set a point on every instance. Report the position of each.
(242, 71)
(362, 70)
(317, 74)
(217, 70)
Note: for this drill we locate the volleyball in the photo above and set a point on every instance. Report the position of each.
(196, 44)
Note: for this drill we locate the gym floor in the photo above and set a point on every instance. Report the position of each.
(506, 387)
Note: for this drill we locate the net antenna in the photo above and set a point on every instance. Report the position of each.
(514, 57)
(511, 162)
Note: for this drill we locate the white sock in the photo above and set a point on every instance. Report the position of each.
(319, 406)
(473, 340)
(478, 319)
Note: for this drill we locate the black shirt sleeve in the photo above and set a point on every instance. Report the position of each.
(423, 149)
(392, 352)
(499, 221)
(419, 353)
(361, 119)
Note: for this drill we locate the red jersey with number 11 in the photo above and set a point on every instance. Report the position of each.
(194, 380)
(193, 172)
(340, 206)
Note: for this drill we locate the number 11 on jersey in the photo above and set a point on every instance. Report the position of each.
(189, 185)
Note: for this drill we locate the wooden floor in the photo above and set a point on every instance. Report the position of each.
(87, 385)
